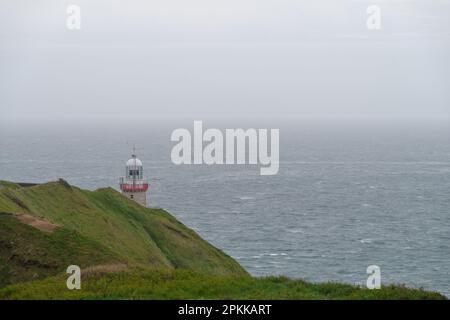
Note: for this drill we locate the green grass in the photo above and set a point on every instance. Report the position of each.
(105, 225)
(28, 253)
(183, 284)
(9, 184)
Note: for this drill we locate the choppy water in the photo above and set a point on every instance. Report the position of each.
(343, 199)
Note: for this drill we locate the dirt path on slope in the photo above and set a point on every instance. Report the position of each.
(38, 223)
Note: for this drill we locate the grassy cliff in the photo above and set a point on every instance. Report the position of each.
(127, 251)
(90, 228)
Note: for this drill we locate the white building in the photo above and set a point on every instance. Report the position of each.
(133, 185)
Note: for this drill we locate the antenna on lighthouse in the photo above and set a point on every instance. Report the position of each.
(133, 155)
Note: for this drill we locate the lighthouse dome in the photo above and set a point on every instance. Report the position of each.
(134, 162)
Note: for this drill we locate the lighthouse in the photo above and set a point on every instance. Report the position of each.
(133, 185)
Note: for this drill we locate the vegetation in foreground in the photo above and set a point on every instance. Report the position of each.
(183, 284)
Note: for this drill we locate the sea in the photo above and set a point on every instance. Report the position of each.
(345, 198)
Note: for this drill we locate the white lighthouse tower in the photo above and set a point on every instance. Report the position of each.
(133, 185)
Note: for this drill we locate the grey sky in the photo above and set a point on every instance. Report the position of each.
(215, 59)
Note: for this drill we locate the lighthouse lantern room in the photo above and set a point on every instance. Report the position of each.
(133, 185)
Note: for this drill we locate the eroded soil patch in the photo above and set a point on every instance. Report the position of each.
(38, 223)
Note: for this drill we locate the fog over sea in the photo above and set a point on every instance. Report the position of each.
(344, 198)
